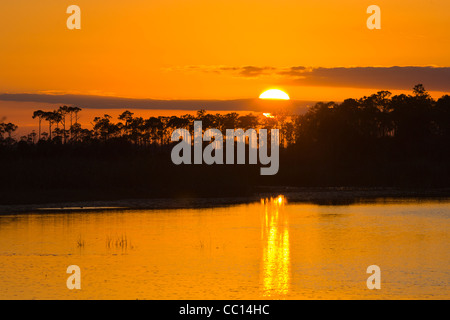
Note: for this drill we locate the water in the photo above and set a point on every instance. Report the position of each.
(267, 250)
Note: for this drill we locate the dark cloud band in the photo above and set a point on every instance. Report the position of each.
(403, 78)
(101, 102)
(386, 78)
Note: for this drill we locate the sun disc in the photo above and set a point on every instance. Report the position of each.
(274, 94)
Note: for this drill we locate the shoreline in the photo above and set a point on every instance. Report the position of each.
(319, 196)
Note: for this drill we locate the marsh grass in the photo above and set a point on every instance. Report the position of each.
(80, 243)
(118, 242)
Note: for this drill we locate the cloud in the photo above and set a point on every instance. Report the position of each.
(107, 102)
(386, 78)
(433, 78)
(245, 71)
(251, 71)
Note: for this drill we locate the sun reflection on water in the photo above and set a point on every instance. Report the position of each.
(276, 253)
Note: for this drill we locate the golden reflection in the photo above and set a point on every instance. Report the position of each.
(266, 250)
(276, 253)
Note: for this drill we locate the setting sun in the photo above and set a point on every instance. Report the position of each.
(274, 94)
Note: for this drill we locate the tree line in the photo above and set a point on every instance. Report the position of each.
(404, 118)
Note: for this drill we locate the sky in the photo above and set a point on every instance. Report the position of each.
(221, 49)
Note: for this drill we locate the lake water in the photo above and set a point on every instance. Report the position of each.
(266, 250)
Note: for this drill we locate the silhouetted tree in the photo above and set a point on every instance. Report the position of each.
(39, 114)
(64, 111)
(442, 116)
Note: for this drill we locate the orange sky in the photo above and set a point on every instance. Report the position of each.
(195, 49)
